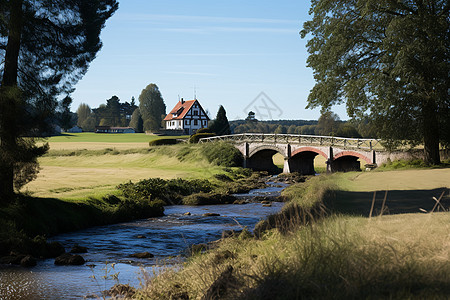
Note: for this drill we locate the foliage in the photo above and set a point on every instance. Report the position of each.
(220, 125)
(114, 113)
(65, 118)
(163, 141)
(387, 60)
(222, 154)
(195, 138)
(136, 121)
(170, 191)
(151, 124)
(152, 107)
(340, 128)
(45, 48)
(83, 112)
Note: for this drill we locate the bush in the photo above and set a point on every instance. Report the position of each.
(196, 137)
(208, 199)
(223, 154)
(160, 142)
(204, 130)
(170, 191)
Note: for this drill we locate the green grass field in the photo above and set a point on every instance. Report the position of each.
(92, 165)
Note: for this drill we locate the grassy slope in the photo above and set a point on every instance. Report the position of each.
(78, 165)
(342, 257)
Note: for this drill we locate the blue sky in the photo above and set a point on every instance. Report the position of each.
(228, 51)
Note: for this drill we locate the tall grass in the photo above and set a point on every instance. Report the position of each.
(309, 253)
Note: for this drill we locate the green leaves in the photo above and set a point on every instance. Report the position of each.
(386, 60)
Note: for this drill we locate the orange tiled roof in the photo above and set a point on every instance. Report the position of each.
(180, 109)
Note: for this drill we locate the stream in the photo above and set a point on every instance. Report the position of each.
(108, 260)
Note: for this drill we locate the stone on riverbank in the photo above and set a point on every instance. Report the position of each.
(142, 255)
(28, 261)
(78, 249)
(211, 215)
(69, 259)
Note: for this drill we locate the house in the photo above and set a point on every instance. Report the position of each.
(187, 117)
(109, 129)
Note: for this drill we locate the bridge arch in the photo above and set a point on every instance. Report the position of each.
(261, 158)
(309, 149)
(302, 160)
(352, 153)
(348, 161)
(267, 147)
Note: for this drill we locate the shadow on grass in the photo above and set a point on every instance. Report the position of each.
(397, 202)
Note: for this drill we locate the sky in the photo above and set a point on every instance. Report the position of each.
(244, 55)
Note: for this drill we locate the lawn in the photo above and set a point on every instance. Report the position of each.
(97, 141)
(80, 167)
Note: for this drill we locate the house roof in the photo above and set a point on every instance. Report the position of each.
(180, 110)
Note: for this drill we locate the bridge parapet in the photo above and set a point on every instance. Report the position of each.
(313, 140)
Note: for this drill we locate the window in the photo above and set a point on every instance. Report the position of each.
(187, 122)
(195, 122)
(195, 112)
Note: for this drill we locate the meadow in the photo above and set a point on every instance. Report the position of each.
(92, 165)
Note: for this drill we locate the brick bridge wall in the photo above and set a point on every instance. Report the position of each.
(300, 158)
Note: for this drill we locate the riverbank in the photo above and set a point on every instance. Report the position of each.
(323, 245)
(78, 207)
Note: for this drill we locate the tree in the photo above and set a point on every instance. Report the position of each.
(220, 125)
(281, 129)
(89, 124)
(251, 117)
(151, 124)
(388, 60)
(45, 48)
(327, 124)
(136, 121)
(83, 113)
(151, 106)
(65, 116)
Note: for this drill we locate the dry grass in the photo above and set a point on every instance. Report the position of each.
(403, 256)
(339, 258)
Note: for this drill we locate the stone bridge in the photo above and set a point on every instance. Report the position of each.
(299, 151)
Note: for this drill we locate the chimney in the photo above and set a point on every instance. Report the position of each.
(182, 101)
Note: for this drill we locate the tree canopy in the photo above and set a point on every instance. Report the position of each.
(389, 61)
(220, 125)
(45, 48)
(152, 107)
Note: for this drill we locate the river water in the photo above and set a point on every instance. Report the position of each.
(110, 247)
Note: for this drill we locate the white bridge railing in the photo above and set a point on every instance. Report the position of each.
(297, 139)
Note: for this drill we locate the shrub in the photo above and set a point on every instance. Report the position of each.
(196, 137)
(169, 191)
(204, 130)
(160, 142)
(223, 154)
(208, 199)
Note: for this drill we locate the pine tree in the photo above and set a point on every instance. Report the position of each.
(52, 44)
(220, 125)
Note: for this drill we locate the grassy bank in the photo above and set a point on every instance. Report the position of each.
(78, 173)
(24, 223)
(340, 254)
(78, 188)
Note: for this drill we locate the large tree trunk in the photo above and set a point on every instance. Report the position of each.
(8, 91)
(431, 133)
